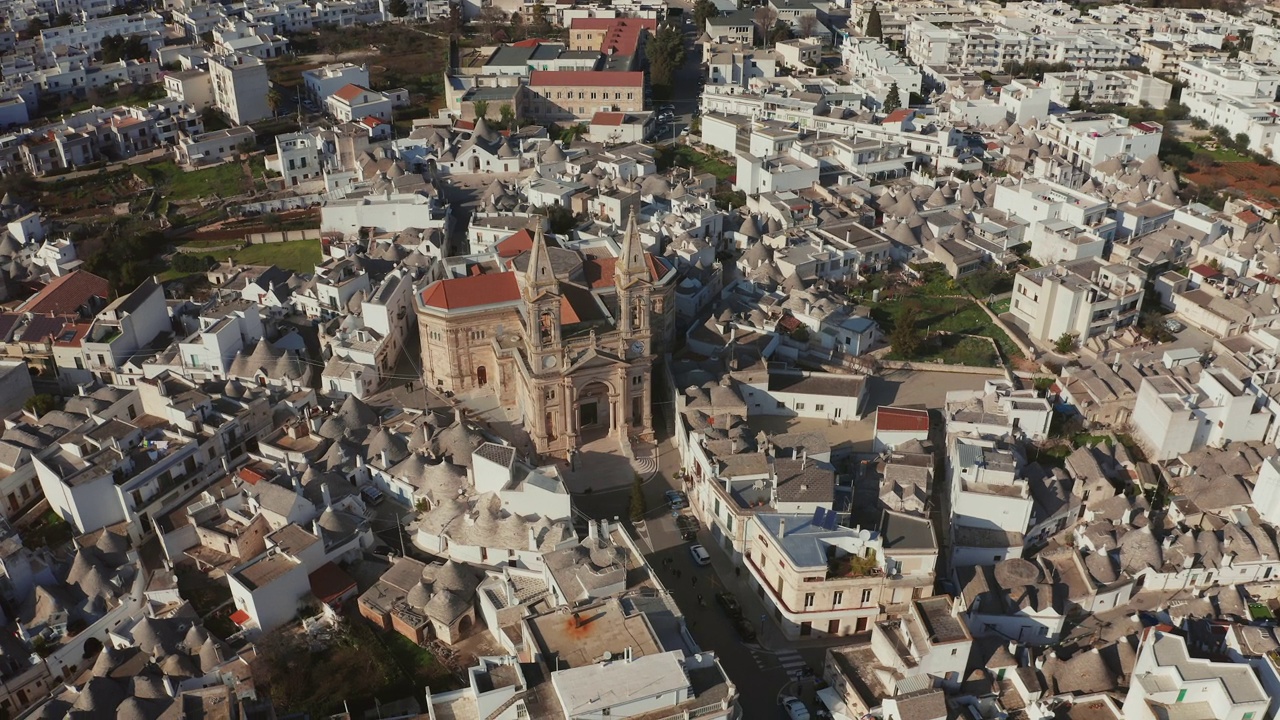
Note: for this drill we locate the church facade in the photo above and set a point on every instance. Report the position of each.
(568, 338)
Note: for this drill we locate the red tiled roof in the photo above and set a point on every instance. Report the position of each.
(458, 293)
(897, 116)
(1205, 270)
(598, 272)
(515, 244)
(789, 323)
(531, 42)
(585, 78)
(240, 617)
(608, 118)
(657, 267)
(77, 332)
(1249, 217)
(330, 582)
(251, 476)
(349, 92)
(67, 294)
(371, 121)
(902, 420)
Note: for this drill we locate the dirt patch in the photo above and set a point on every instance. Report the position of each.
(1262, 181)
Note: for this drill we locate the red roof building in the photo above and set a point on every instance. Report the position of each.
(515, 244)
(68, 294)
(332, 585)
(585, 78)
(893, 419)
(473, 291)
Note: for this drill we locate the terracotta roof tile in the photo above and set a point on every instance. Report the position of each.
(349, 92)
(465, 292)
(902, 420)
(67, 294)
(514, 244)
(585, 78)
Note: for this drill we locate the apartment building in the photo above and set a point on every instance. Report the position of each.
(1230, 77)
(240, 87)
(814, 580)
(193, 88)
(212, 147)
(878, 68)
(1085, 298)
(1086, 139)
(1043, 201)
(576, 96)
(736, 27)
(1108, 87)
(91, 33)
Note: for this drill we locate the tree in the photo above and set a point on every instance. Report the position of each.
(704, 10)
(398, 8)
(40, 404)
(539, 23)
(665, 53)
(1066, 343)
(507, 114)
(1242, 142)
(781, 32)
(482, 108)
(893, 100)
(765, 17)
(274, 101)
(874, 26)
(492, 19)
(1076, 104)
(808, 24)
(906, 338)
(34, 26)
(638, 505)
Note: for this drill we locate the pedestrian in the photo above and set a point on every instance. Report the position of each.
(694, 580)
(737, 571)
(699, 599)
(677, 572)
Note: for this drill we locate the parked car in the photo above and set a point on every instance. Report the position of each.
(700, 555)
(372, 495)
(730, 604)
(1174, 326)
(676, 499)
(794, 708)
(688, 527)
(745, 629)
(668, 107)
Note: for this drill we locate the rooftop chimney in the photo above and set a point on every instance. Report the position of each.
(782, 527)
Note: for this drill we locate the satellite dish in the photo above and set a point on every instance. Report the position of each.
(864, 534)
(607, 656)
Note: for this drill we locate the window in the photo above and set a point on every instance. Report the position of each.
(819, 408)
(837, 597)
(636, 380)
(781, 405)
(866, 596)
(836, 413)
(808, 600)
(799, 406)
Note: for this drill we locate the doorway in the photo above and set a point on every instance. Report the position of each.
(482, 376)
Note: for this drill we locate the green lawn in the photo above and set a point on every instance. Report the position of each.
(224, 180)
(952, 315)
(49, 531)
(701, 162)
(1221, 154)
(299, 255)
(1001, 307)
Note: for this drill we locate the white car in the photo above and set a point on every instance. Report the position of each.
(795, 709)
(700, 555)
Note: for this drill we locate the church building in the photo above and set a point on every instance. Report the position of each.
(566, 337)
